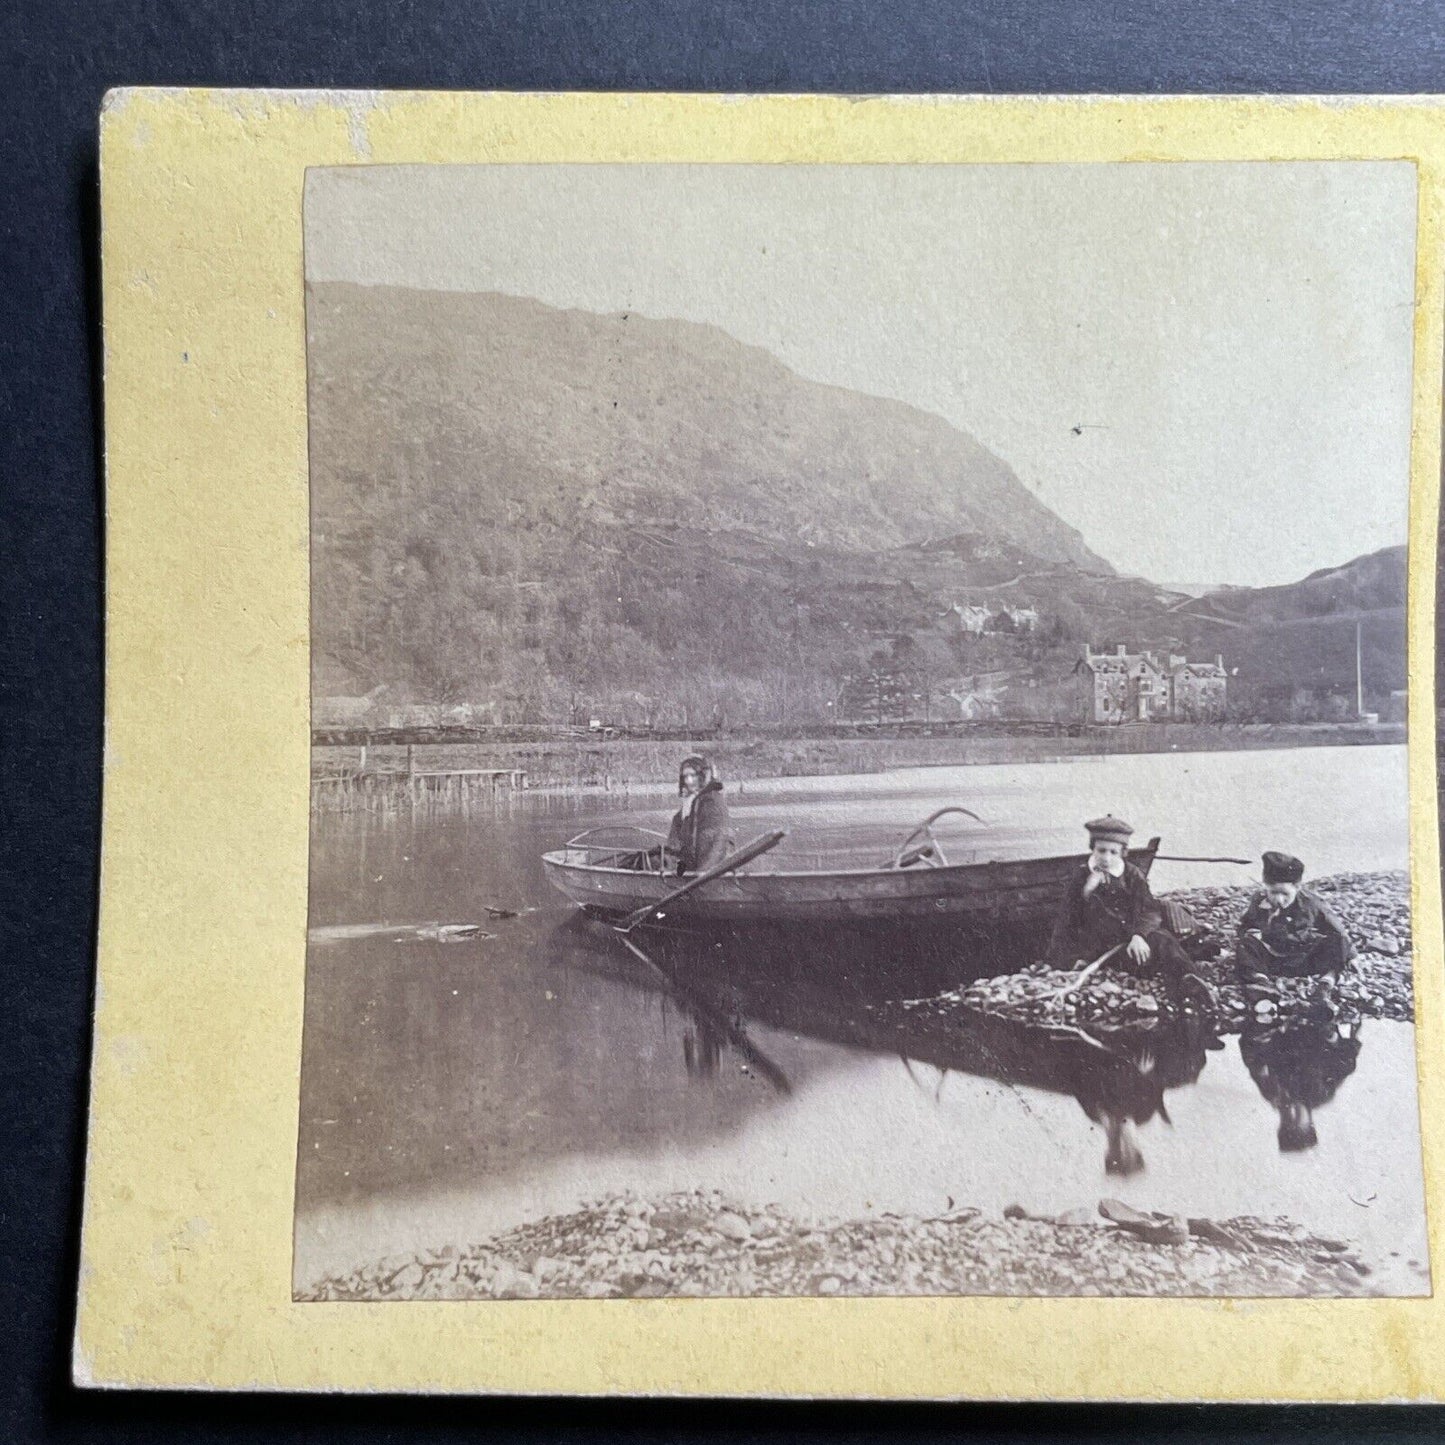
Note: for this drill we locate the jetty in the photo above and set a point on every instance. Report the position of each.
(366, 775)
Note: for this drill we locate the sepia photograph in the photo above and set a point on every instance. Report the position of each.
(858, 732)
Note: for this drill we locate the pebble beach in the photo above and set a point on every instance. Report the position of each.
(702, 1245)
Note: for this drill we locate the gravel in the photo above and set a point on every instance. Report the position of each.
(1374, 908)
(594, 1253)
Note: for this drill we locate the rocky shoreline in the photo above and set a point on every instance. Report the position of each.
(703, 1245)
(1374, 908)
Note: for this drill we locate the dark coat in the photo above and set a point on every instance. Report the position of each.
(1112, 914)
(702, 838)
(1303, 938)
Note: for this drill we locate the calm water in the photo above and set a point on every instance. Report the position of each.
(451, 1090)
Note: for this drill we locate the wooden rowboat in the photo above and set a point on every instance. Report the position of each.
(598, 871)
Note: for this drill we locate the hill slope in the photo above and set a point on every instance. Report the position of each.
(550, 511)
(534, 414)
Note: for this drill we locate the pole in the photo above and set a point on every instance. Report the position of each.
(1359, 675)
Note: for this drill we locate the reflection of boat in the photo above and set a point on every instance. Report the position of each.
(615, 871)
(727, 982)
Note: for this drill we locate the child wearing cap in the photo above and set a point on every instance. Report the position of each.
(1107, 905)
(1288, 931)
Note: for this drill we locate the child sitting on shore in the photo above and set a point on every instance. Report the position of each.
(1107, 911)
(1288, 932)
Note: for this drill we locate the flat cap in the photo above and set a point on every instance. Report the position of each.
(1282, 868)
(1109, 829)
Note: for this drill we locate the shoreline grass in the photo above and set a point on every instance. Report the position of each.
(346, 777)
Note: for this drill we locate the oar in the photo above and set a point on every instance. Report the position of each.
(1179, 858)
(733, 861)
(715, 1020)
(1085, 974)
(1054, 994)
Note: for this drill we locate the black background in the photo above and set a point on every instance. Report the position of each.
(56, 61)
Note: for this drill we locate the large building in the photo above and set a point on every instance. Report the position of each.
(1123, 686)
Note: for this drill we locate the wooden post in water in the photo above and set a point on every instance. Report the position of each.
(410, 761)
(361, 761)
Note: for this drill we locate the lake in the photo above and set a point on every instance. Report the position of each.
(451, 1090)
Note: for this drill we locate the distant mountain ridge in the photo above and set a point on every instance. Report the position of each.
(534, 409)
(540, 511)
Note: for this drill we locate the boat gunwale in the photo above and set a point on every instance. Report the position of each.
(552, 859)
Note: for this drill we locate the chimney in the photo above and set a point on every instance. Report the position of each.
(1219, 661)
(1119, 650)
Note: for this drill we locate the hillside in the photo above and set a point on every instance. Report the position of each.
(538, 414)
(1301, 635)
(542, 513)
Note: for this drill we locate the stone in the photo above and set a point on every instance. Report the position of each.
(1173, 1231)
(1385, 943)
(409, 1278)
(733, 1226)
(1077, 1218)
(511, 1283)
(1117, 1212)
(1015, 1211)
(1212, 1232)
(829, 1284)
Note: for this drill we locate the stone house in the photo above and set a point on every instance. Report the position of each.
(969, 618)
(1197, 690)
(1123, 686)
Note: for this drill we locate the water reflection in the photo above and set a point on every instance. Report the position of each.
(1119, 1076)
(1299, 1067)
(1122, 1084)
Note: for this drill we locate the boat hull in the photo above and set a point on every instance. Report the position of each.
(1002, 896)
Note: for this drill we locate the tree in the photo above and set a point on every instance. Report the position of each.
(878, 691)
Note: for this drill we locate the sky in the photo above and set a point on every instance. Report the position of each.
(1205, 368)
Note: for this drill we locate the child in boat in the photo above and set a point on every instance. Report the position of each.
(1288, 931)
(1107, 905)
(699, 834)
